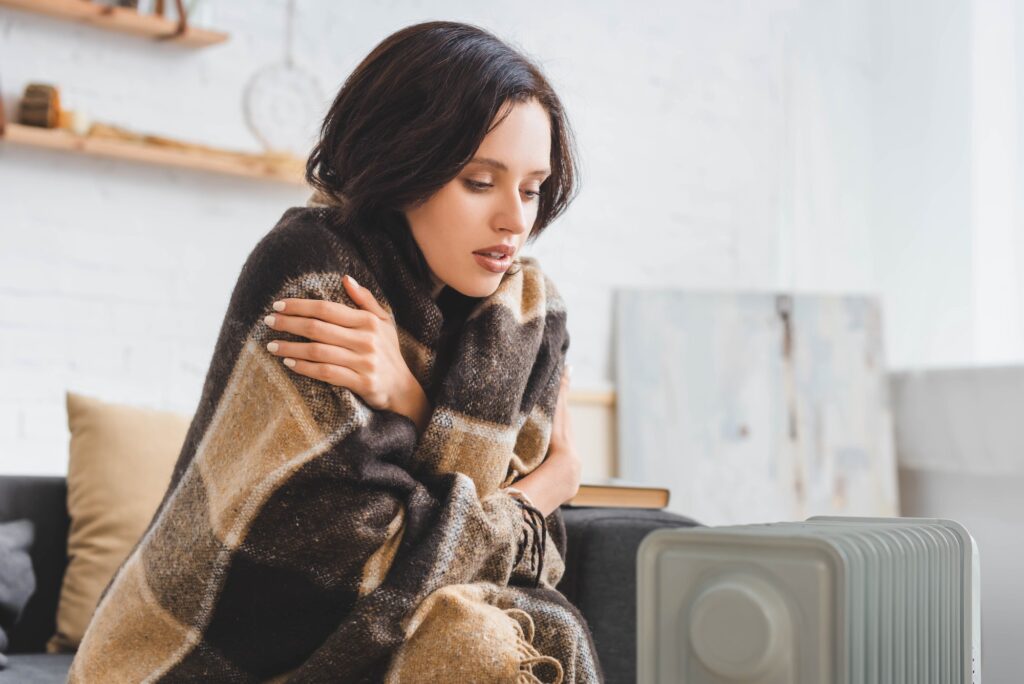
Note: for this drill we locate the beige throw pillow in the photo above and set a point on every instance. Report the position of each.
(119, 467)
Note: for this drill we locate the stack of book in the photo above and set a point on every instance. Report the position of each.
(616, 493)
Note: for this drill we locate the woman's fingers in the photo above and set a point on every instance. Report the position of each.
(318, 353)
(291, 311)
(335, 375)
(563, 390)
(561, 426)
(364, 298)
(327, 311)
(320, 331)
(357, 348)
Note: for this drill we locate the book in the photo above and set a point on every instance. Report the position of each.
(618, 494)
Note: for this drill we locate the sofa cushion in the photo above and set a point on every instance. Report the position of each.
(36, 668)
(120, 464)
(600, 576)
(40, 499)
(17, 580)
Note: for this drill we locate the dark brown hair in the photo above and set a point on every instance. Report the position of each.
(414, 112)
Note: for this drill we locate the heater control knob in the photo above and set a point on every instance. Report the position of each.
(739, 627)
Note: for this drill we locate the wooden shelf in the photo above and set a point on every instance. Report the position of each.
(119, 19)
(286, 170)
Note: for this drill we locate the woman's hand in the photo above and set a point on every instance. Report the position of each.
(557, 478)
(563, 444)
(353, 348)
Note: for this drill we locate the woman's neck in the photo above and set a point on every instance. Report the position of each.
(436, 285)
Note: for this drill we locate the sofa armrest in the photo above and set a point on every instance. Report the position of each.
(600, 576)
(43, 500)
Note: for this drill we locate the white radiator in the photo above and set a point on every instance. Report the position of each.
(829, 600)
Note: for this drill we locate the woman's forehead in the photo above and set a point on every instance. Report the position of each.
(521, 142)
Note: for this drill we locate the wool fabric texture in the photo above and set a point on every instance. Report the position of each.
(307, 537)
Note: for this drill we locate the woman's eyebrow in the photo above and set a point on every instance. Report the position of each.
(498, 165)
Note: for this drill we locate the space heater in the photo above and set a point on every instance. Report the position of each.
(827, 601)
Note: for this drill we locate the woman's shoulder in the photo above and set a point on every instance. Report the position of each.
(316, 235)
(309, 226)
(305, 241)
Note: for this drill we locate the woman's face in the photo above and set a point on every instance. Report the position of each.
(491, 205)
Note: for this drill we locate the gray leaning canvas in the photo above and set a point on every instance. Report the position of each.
(755, 407)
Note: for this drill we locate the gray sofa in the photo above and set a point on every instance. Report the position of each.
(600, 577)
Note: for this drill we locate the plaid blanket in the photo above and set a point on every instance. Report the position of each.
(307, 537)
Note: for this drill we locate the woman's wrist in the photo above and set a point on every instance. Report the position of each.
(414, 405)
(572, 469)
(552, 483)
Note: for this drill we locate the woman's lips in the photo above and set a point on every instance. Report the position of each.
(493, 265)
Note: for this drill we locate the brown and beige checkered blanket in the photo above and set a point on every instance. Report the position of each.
(307, 537)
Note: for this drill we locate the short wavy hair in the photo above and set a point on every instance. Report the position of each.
(414, 112)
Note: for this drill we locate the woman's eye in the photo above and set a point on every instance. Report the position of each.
(480, 186)
(477, 185)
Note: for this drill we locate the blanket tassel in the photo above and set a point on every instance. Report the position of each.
(530, 656)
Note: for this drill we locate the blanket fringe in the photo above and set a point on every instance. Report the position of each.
(528, 676)
(530, 657)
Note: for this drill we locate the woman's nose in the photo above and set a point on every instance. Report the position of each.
(513, 217)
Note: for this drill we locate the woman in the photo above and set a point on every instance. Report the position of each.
(387, 368)
(524, 162)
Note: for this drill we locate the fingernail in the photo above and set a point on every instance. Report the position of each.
(269, 320)
(352, 280)
(290, 363)
(272, 346)
(278, 306)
